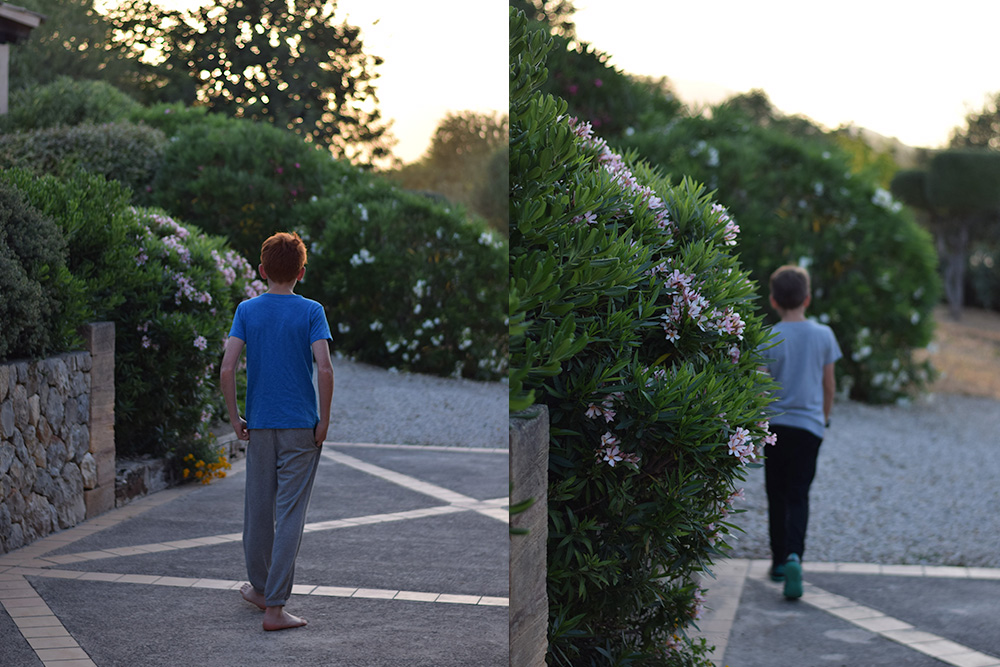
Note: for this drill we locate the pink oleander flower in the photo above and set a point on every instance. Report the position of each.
(201, 342)
(608, 440)
(734, 353)
(611, 455)
(593, 412)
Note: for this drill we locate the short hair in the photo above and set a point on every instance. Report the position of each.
(283, 255)
(790, 286)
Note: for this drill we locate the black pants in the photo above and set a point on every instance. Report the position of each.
(789, 470)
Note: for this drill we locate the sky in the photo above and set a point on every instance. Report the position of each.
(440, 56)
(910, 70)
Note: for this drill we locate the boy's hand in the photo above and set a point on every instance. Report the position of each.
(320, 432)
(240, 427)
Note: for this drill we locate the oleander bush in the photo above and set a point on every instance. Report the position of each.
(122, 151)
(66, 102)
(874, 269)
(632, 320)
(408, 283)
(171, 291)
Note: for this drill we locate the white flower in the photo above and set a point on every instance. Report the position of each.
(419, 290)
(343, 328)
(363, 212)
(362, 257)
(416, 309)
(375, 326)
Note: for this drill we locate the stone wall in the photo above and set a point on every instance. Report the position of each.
(529, 604)
(56, 440)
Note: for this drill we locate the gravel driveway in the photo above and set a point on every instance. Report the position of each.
(916, 484)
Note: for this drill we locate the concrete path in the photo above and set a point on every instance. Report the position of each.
(404, 562)
(854, 615)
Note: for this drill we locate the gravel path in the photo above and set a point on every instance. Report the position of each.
(917, 484)
(372, 405)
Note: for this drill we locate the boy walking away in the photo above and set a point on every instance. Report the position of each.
(802, 365)
(283, 334)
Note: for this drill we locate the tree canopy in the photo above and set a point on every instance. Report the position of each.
(982, 128)
(287, 62)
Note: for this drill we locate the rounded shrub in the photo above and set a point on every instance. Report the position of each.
(171, 291)
(36, 285)
(873, 267)
(407, 282)
(237, 178)
(66, 102)
(123, 151)
(633, 322)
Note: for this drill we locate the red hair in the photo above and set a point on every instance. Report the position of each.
(283, 255)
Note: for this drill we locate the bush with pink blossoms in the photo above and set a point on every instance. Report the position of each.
(632, 320)
(171, 291)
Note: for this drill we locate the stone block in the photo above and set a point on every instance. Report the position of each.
(79, 442)
(20, 398)
(7, 418)
(83, 403)
(7, 454)
(99, 500)
(99, 337)
(105, 467)
(55, 410)
(88, 470)
(529, 453)
(4, 380)
(34, 409)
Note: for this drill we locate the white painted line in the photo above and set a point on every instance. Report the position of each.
(426, 448)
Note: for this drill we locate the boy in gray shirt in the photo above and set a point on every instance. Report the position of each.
(802, 365)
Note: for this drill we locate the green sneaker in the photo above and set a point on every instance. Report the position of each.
(793, 577)
(777, 572)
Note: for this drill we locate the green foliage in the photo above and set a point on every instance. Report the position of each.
(873, 267)
(409, 283)
(172, 118)
(613, 102)
(73, 41)
(121, 151)
(964, 180)
(288, 63)
(910, 187)
(65, 101)
(237, 178)
(982, 128)
(36, 283)
(466, 164)
(171, 292)
(634, 324)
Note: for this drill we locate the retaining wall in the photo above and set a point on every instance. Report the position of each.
(57, 447)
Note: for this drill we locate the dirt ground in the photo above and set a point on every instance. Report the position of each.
(966, 353)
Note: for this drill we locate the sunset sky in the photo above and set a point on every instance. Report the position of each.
(440, 56)
(904, 69)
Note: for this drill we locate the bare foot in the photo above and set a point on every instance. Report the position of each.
(253, 597)
(276, 618)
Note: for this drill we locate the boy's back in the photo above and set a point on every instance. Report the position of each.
(279, 330)
(801, 352)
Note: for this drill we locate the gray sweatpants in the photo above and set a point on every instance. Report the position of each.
(281, 467)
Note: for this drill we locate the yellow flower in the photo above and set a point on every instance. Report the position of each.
(187, 472)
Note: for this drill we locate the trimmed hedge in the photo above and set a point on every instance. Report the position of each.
(66, 102)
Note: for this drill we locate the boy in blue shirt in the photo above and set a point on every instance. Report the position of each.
(283, 334)
(802, 365)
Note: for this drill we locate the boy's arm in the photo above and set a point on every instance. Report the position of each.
(829, 389)
(324, 380)
(227, 378)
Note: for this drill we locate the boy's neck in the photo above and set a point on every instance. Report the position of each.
(794, 315)
(280, 288)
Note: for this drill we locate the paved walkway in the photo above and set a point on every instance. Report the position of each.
(404, 562)
(854, 614)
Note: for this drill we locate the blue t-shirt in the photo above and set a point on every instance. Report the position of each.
(279, 330)
(802, 350)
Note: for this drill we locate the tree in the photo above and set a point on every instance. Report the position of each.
(284, 62)
(982, 128)
(959, 193)
(73, 41)
(557, 14)
(463, 164)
